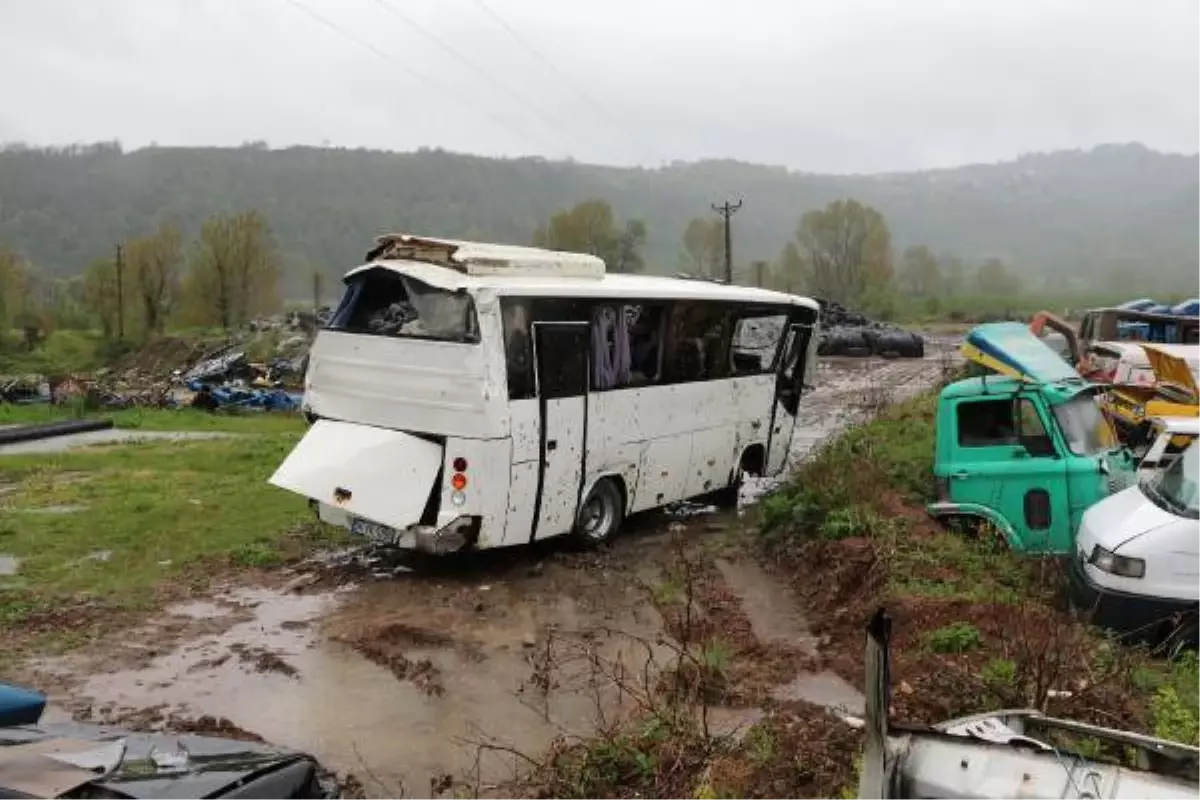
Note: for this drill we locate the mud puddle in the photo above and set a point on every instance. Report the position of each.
(402, 680)
(402, 677)
(776, 619)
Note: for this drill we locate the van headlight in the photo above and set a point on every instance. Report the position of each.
(1113, 564)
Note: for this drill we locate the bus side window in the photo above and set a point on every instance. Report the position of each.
(645, 343)
(698, 344)
(755, 341)
(518, 354)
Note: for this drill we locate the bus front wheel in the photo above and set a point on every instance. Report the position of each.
(600, 515)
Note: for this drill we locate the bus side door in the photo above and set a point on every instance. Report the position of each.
(789, 384)
(561, 353)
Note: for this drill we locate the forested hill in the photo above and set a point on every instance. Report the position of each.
(1077, 216)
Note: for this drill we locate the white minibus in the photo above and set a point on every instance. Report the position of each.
(468, 395)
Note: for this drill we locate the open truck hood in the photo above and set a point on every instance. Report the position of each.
(1010, 348)
(1172, 370)
(381, 475)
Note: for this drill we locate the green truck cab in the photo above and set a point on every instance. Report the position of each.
(1027, 450)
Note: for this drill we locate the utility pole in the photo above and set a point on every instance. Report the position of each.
(120, 264)
(318, 282)
(727, 210)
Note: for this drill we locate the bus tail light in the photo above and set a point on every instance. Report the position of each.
(458, 482)
(460, 464)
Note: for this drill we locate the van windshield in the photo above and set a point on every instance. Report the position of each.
(1084, 425)
(1177, 488)
(380, 302)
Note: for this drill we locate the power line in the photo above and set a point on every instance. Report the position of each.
(390, 7)
(419, 76)
(545, 60)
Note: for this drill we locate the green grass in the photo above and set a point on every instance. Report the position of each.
(61, 352)
(157, 508)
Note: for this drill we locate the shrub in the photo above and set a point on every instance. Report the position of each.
(958, 637)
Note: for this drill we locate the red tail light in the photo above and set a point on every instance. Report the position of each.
(460, 464)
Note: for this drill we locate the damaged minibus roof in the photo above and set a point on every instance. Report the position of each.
(606, 285)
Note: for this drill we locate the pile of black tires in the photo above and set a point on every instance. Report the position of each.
(850, 333)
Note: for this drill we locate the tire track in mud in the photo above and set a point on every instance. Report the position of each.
(408, 677)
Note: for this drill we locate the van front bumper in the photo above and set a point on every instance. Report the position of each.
(1132, 616)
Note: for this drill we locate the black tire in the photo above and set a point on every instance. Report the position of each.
(599, 515)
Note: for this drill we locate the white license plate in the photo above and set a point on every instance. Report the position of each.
(379, 534)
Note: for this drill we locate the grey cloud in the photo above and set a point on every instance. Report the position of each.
(821, 85)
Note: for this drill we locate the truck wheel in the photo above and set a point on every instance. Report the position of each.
(600, 515)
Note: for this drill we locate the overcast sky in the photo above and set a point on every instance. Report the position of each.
(819, 85)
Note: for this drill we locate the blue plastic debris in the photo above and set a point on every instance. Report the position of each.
(214, 397)
(20, 706)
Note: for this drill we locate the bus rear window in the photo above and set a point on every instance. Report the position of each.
(379, 302)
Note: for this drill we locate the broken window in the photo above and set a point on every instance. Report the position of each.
(518, 354)
(610, 346)
(562, 360)
(645, 343)
(697, 343)
(755, 343)
(380, 302)
(986, 423)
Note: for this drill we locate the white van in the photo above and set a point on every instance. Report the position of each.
(1137, 562)
(469, 395)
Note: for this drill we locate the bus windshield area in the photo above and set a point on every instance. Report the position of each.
(1177, 488)
(379, 302)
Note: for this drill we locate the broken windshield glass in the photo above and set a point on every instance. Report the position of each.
(1084, 425)
(1177, 488)
(380, 302)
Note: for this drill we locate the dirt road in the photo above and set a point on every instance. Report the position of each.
(399, 676)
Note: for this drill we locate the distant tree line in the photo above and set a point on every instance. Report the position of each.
(228, 275)
(842, 252)
(1065, 220)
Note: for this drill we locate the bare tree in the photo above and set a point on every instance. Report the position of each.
(847, 249)
(154, 263)
(235, 272)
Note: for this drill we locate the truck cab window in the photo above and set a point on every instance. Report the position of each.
(986, 423)
(1031, 431)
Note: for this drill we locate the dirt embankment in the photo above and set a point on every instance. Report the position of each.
(976, 627)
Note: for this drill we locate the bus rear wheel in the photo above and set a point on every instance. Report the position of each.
(600, 515)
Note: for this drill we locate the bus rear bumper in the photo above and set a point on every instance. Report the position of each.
(460, 533)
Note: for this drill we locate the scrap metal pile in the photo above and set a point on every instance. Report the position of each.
(174, 373)
(849, 333)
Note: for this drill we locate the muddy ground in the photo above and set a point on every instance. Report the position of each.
(403, 676)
